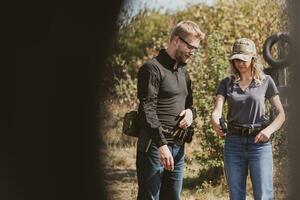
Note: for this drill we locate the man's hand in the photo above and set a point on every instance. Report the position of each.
(165, 157)
(187, 119)
(262, 137)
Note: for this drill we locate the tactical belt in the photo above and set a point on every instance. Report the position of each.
(177, 135)
(245, 130)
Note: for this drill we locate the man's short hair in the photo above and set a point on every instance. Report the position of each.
(186, 29)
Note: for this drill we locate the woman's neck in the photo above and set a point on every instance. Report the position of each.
(246, 76)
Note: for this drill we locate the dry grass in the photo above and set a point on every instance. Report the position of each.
(120, 174)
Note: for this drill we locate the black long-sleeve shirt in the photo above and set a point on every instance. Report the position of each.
(164, 92)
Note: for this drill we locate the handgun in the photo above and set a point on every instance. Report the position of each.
(223, 125)
(179, 118)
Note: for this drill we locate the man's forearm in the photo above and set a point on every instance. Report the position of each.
(149, 108)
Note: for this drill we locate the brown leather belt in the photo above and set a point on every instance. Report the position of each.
(244, 130)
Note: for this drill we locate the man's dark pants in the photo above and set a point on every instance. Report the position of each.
(154, 181)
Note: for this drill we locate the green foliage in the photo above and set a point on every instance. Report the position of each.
(226, 21)
(137, 41)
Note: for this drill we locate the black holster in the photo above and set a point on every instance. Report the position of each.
(180, 135)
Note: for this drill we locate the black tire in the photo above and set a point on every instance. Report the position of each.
(281, 62)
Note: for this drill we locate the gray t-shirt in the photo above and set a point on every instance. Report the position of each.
(247, 107)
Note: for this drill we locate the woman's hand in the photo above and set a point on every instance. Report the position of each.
(262, 137)
(218, 129)
(266, 133)
(216, 115)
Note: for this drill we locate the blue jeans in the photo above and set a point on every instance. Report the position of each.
(242, 154)
(154, 181)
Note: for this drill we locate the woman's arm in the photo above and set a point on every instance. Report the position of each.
(217, 113)
(266, 133)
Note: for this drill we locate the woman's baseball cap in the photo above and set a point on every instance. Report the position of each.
(243, 49)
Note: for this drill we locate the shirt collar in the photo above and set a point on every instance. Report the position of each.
(168, 62)
(251, 85)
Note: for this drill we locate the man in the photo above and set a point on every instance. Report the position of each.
(165, 114)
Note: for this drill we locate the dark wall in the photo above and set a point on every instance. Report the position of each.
(51, 98)
(294, 97)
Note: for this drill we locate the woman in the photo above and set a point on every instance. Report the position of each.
(247, 146)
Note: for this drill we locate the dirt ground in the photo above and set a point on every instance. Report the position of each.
(121, 181)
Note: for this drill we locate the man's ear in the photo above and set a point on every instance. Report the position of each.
(174, 40)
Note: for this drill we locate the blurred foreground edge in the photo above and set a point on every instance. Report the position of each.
(294, 99)
(51, 95)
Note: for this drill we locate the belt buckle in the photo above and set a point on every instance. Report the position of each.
(249, 130)
(246, 131)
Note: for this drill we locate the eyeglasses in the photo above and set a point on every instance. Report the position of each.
(190, 47)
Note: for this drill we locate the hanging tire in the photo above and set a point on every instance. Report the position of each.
(273, 62)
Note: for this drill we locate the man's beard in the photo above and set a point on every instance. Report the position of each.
(179, 57)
